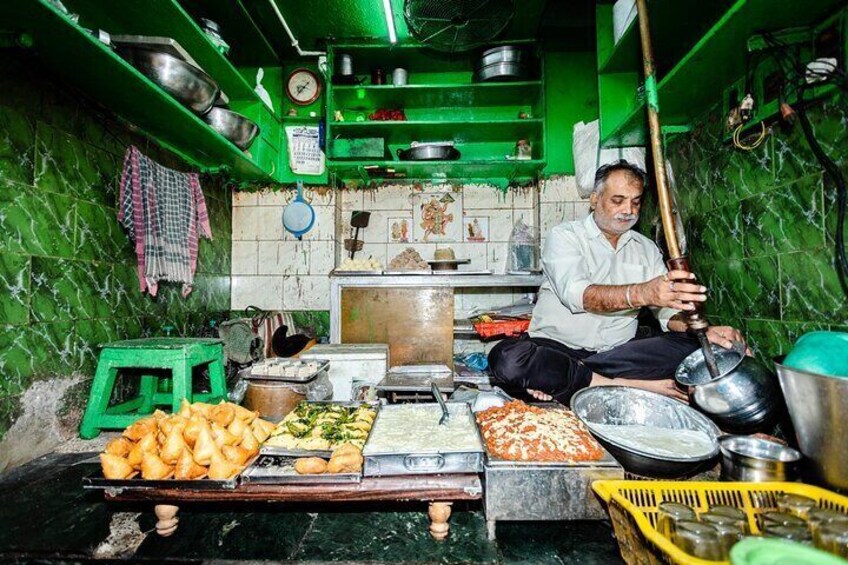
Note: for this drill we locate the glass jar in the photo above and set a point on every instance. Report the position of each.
(833, 537)
(795, 504)
(698, 540)
(798, 534)
(821, 517)
(669, 513)
(782, 519)
(730, 529)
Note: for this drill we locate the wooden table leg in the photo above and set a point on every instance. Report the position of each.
(491, 529)
(167, 515)
(439, 514)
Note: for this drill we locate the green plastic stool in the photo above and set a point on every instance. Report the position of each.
(180, 355)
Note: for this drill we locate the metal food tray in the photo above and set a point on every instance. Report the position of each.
(409, 272)
(337, 273)
(441, 461)
(323, 453)
(279, 470)
(324, 365)
(96, 481)
(544, 490)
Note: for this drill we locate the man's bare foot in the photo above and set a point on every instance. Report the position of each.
(665, 387)
(539, 395)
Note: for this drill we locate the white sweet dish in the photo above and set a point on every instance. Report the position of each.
(414, 428)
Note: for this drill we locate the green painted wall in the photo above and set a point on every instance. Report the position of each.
(761, 228)
(571, 96)
(67, 269)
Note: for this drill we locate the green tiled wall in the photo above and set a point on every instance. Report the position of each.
(760, 226)
(67, 269)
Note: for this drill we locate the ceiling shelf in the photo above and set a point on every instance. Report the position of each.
(166, 18)
(434, 170)
(446, 95)
(400, 132)
(99, 72)
(697, 81)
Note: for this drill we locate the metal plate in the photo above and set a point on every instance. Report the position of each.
(279, 470)
(337, 273)
(437, 460)
(324, 365)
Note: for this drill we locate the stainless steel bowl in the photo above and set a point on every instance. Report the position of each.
(429, 152)
(185, 82)
(817, 407)
(233, 126)
(623, 405)
(745, 398)
(756, 460)
(501, 54)
(504, 71)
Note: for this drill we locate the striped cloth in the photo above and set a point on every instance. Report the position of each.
(162, 210)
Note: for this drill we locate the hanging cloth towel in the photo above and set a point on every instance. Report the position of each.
(164, 212)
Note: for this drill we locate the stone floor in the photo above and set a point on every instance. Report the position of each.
(46, 517)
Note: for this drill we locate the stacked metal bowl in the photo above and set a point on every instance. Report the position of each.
(500, 64)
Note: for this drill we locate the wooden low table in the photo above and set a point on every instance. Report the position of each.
(439, 490)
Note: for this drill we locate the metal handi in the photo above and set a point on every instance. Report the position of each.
(677, 261)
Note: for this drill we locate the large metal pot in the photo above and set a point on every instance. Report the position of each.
(429, 152)
(621, 405)
(185, 82)
(817, 407)
(233, 126)
(744, 399)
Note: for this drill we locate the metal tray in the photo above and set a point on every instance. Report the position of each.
(441, 461)
(279, 470)
(410, 273)
(337, 273)
(324, 365)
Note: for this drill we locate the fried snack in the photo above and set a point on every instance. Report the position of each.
(249, 441)
(173, 447)
(222, 436)
(203, 409)
(186, 469)
(115, 467)
(347, 458)
(153, 468)
(192, 429)
(171, 422)
(246, 415)
(221, 468)
(264, 425)
(149, 443)
(205, 447)
(185, 409)
(141, 428)
(135, 456)
(310, 465)
(236, 454)
(237, 427)
(120, 446)
(519, 432)
(223, 414)
(159, 414)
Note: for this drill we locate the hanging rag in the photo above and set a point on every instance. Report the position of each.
(164, 213)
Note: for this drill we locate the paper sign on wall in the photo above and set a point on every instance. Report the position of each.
(305, 155)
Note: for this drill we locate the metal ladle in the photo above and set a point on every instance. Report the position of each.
(445, 413)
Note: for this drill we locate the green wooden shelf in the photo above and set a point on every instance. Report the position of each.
(166, 18)
(249, 46)
(510, 95)
(698, 80)
(400, 132)
(96, 70)
(434, 170)
(675, 26)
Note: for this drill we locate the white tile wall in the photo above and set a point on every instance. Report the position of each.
(273, 270)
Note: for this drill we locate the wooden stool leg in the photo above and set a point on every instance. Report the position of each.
(491, 528)
(217, 380)
(182, 384)
(147, 390)
(98, 398)
(439, 514)
(167, 516)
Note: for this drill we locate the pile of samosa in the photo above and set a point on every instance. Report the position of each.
(200, 441)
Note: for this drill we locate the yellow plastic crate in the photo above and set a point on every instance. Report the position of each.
(633, 511)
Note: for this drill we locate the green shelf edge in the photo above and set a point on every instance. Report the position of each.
(215, 154)
(682, 110)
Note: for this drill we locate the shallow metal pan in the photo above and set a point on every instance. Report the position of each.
(279, 470)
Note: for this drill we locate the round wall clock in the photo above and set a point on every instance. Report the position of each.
(303, 87)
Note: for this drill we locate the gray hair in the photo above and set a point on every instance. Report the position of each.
(631, 170)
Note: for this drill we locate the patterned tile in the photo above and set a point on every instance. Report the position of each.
(786, 219)
(811, 289)
(717, 235)
(14, 284)
(17, 146)
(37, 223)
(99, 236)
(70, 290)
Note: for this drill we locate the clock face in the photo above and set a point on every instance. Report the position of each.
(303, 87)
